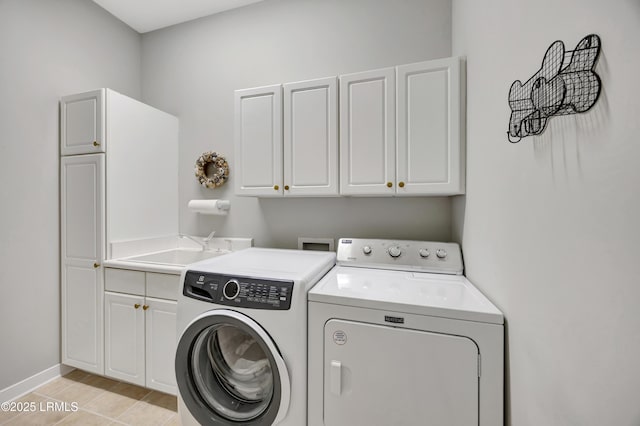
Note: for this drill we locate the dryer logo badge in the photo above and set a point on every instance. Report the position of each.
(339, 337)
(394, 320)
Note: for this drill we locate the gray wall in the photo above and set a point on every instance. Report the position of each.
(48, 49)
(550, 231)
(191, 70)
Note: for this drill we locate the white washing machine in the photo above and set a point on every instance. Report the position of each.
(397, 336)
(242, 350)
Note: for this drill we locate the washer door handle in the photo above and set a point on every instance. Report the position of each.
(336, 377)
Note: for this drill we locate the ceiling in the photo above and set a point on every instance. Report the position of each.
(148, 15)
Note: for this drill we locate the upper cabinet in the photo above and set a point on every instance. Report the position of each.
(430, 120)
(311, 138)
(400, 130)
(367, 133)
(258, 141)
(401, 133)
(290, 154)
(82, 123)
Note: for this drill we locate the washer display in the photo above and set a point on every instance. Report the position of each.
(246, 292)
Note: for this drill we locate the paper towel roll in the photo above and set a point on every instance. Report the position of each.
(217, 207)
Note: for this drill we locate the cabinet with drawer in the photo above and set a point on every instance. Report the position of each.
(140, 327)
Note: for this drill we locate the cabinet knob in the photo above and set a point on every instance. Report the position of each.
(276, 187)
(389, 184)
(137, 305)
(96, 265)
(286, 187)
(96, 143)
(145, 307)
(401, 184)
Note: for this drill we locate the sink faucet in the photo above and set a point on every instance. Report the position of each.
(203, 242)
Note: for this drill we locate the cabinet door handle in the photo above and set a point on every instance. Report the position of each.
(276, 187)
(137, 305)
(145, 307)
(286, 187)
(96, 143)
(389, 184)
(96, 265)
(401, 184)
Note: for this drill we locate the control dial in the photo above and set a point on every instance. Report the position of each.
(424, 253)
(394, 251)
(366, 250)
(441, 253)
(231, 289)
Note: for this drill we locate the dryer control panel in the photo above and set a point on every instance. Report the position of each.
(403, 255)
(241, 292)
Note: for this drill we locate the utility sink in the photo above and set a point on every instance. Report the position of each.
(176, 257)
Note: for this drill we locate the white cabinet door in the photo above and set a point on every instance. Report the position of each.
(82, 339)
(124, 337)
(258, 141)
(82, 208)
(429, 121)
(367, 133)
(82, 246)
(380, 375)
(311, 138)
(161, 345)
(82, 119)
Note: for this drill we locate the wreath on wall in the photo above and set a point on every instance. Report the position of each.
(217, 166)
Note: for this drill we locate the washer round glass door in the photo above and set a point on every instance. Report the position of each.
(228, 369)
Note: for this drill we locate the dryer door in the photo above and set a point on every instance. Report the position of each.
(381, 375)
(229, 370)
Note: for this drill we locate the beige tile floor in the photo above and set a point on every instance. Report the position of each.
(99, 401)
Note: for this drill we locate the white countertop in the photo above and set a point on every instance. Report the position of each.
(171, 258)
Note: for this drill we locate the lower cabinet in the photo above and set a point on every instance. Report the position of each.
(140, 331)
(124, 337)
(82, 327)
(161, 340)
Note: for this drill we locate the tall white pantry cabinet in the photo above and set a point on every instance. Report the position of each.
(118, 182)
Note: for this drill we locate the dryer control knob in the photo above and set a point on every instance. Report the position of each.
(394, 251)
(424, 253)
(441, 253)
(366, 250)
(231, 289)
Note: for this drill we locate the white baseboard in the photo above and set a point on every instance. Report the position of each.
(30, 383)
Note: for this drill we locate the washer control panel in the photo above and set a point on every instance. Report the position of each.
(419, 256)
(241, 292)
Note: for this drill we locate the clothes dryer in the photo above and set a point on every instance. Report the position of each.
(398, 336)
